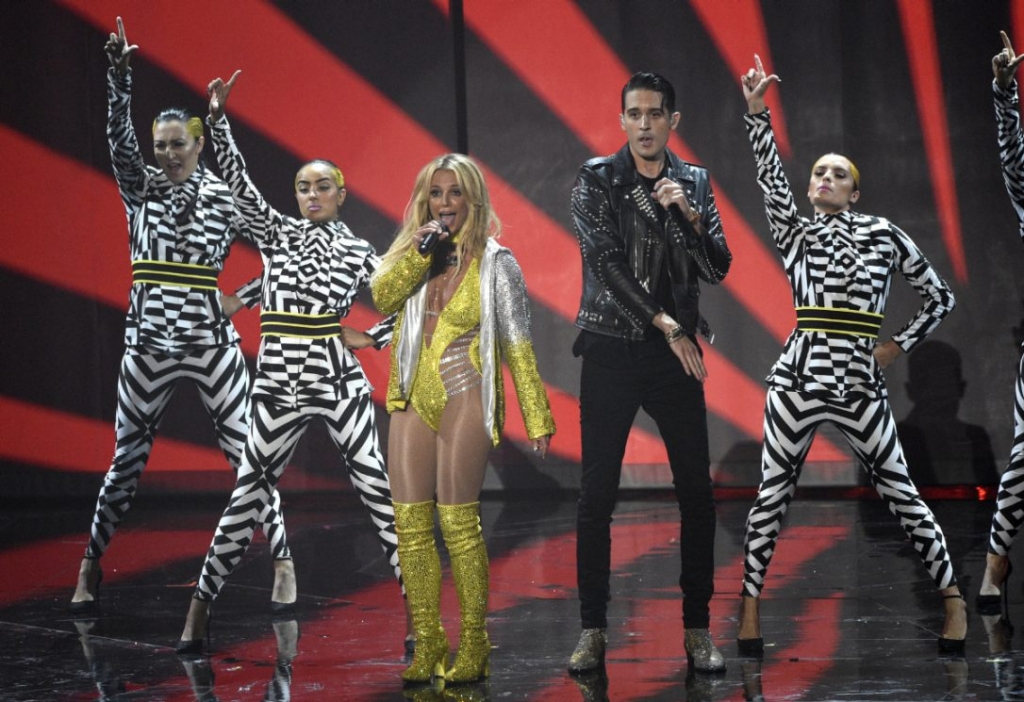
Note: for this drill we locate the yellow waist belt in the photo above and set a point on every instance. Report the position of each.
(182, 275)
(309, 326)
(835, 320)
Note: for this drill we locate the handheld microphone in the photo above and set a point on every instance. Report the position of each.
(430, 240)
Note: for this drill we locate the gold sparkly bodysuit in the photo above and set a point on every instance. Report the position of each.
(487, 321)
(450, 363)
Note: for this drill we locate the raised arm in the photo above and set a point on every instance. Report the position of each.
(219, 91)
(1009, 135)
(1005, 63)
(125, 156)
(118, 50)
(755, 84)
(260, 221)
(780, 205)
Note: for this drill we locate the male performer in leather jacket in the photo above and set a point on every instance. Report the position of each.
(648, 230)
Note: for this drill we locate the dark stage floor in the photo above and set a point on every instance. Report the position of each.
(848, 614)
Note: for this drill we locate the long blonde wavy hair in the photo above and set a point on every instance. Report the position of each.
(481, 223)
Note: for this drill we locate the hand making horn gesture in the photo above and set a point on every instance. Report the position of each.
(755, 85)
(1004, 64)
(218, 91)
(118, 50)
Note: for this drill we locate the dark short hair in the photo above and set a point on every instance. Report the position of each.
(339, 177)
(193, 124)
(651, 81)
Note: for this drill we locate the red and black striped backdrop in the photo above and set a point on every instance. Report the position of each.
(532, 88)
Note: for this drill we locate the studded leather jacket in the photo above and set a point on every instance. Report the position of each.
(624, 244)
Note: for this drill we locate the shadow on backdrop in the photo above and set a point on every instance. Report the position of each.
(940, 448)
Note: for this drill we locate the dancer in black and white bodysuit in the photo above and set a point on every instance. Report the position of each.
(840, 266)
(181, 222)
(1009, 513)
(313, 268)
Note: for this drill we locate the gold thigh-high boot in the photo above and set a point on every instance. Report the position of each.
(460, 525)
(421, 572)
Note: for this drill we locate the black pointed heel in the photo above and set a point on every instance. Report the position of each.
(191, 647)
(280, 608)
(751, 648)
(995, 604)
(953, 646)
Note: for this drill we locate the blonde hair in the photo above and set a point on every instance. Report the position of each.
(481, 223)
(855, 172)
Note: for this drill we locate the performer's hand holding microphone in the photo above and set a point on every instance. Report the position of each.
(668, 192)
(430, 239)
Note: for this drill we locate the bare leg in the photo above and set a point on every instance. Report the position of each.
(285, 591)
(412, 474)
(955, 626)
(89, 576)
(412, 458)
(463, 445)
(462, 449)
(750, 618)
(197, 622)
(996, 569)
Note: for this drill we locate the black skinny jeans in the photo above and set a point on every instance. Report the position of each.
(612, 388)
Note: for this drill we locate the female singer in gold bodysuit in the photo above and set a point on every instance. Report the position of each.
(462, 310)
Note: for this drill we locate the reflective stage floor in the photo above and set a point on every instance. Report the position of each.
(848, 613)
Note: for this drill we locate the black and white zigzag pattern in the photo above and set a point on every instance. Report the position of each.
(273, 435)
(309, 268)
(146, 384)
(165, 318)
(790, 422)
(845, 260)
(1011, 146)
(1009, 514)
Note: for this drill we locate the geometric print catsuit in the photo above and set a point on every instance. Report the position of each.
(1009, 514)
(841, 261)
(171, 332)
(309, 268)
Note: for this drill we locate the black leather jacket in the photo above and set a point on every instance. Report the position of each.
(623, 244)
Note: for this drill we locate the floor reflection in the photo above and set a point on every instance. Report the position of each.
(439, 692)
(104, 674)
(848, 612)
